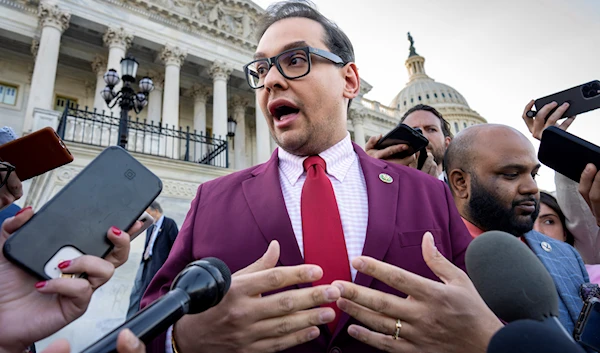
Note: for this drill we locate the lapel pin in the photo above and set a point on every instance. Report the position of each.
(386, 178)
(547, 247)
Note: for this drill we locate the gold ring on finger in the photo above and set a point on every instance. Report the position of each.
(398, 328)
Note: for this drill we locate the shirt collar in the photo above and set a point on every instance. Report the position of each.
(473, 229)
(338, 158)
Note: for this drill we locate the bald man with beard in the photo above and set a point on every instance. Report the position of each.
(491, 173)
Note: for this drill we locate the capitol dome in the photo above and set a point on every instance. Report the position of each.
(422, 89)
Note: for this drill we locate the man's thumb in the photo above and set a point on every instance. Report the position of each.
(268, 260)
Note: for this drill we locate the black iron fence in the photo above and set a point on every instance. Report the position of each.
(91, 128)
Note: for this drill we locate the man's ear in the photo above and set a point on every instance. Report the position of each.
(447, 141)
(352, 81)
(460, 183)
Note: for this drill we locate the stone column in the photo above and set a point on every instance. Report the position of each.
(220, 72)
(54, 22)
(200, 95)
(118, 40)
(173, 58)
(155, 98)
(358, 119)
(263, 138)
(238, 106)
(99, 67)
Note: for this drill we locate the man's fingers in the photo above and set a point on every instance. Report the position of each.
(372, 142)
(380, 341)
(292, 301)
(58, 346)
(442, 268)
(565, 124)
(585, 182)
(267, 261)
(402, 280)
(288, 324)
(388, 151)
(276, 278)
(527, 108)
(558, 113)
(542, 113)
(384, 303)
(127, 342)
(283, 343)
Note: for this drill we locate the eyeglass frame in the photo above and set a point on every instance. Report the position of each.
(8, 168)
(274, 60)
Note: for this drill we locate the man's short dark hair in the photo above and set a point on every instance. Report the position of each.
(335, 39)
(443, 123)
(155, 206)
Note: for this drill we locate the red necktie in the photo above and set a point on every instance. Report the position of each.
(322, 232)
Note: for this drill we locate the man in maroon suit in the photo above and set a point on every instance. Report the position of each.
(274, 227)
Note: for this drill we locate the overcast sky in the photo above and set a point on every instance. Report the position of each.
(498, 54)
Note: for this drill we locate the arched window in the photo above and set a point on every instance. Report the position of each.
(456, 126)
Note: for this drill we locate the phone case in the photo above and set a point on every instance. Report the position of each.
(581, 99)
(586, 329)
(36, 153)
(113, 190)
(403, 134)
(567, 153)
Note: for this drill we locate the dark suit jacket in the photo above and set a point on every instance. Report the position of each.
(235, 217)
(162, 247)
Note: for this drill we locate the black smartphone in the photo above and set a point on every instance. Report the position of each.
(587, 328)
(567, 153)
(113, 190)
(581, 99)
(403, 134)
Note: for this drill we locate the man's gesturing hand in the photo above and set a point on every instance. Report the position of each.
(436, 317)
(245, 321)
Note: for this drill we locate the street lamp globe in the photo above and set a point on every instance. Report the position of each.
(146, 85)
(111, 77)
(129, 68)
(231, 124)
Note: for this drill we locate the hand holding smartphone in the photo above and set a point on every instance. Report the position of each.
(113, 190)
(567, 153)
(581, 99)
(36, 153)
(403, 134)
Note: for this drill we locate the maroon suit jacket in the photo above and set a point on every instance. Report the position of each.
(234, 218)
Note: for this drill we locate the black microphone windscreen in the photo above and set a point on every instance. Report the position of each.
(510, 278)
(222, 267)
(528, 336)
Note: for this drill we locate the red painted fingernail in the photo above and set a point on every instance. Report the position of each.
(116, 231)
(64, 264)
(23, 210)
(40, 284)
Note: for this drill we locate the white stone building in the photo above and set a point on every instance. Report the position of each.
(54, 52)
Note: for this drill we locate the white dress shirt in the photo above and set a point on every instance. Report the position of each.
(155, 231)
(348, 181)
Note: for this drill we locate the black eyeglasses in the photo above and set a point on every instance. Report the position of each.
(8, 168)
(292, 64)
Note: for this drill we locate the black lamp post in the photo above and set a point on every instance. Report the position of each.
(126, 97)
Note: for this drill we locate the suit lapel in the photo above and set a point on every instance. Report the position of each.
(265, 199)
(563, 275)
(383, 206)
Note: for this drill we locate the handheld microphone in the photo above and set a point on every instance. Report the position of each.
(512, 281)
(529, 336)
(200, 286)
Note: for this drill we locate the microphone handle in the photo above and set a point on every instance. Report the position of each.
(148, 323)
